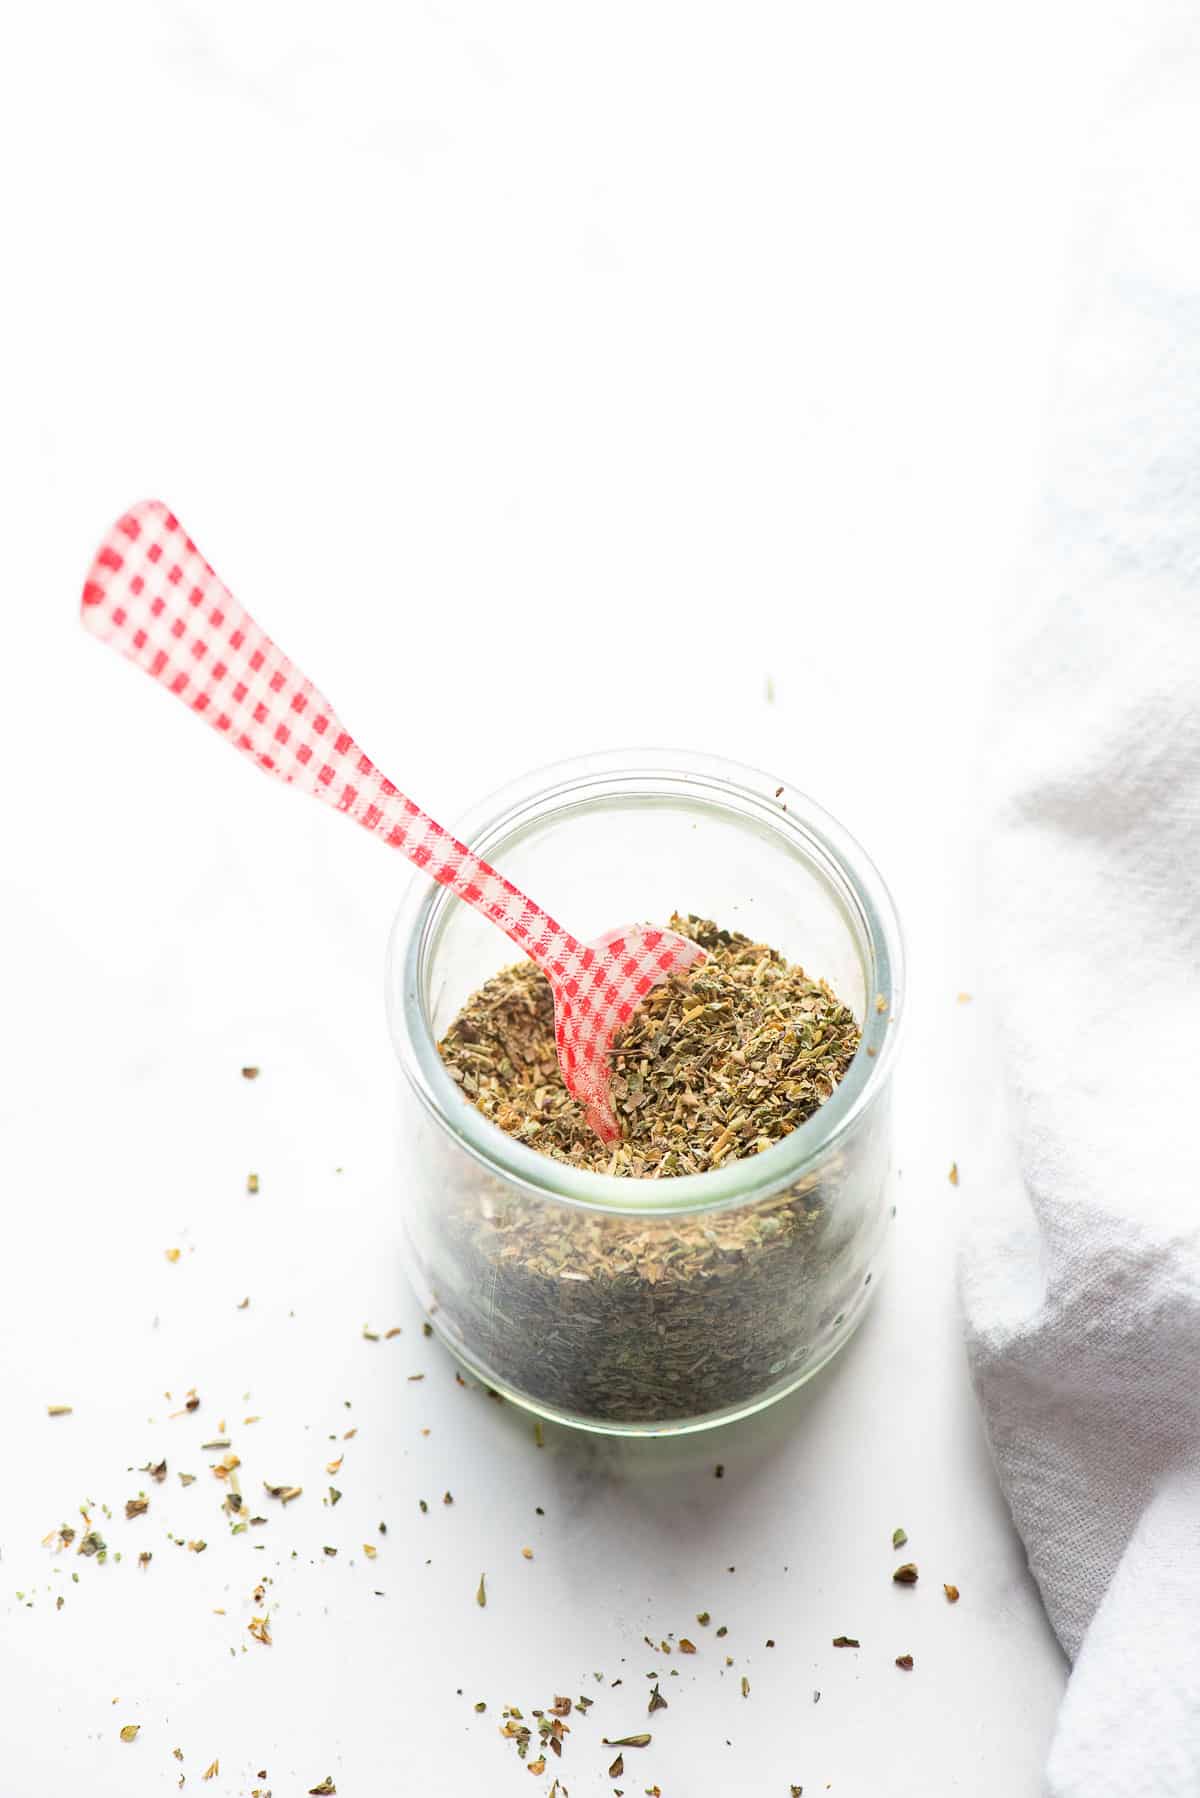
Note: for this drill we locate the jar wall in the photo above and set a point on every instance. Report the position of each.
(697, 1317)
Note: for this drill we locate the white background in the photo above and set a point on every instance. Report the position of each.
(545, 377)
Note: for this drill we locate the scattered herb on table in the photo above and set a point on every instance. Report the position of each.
(951, 1593)
(906, 1575)
(905, 1661)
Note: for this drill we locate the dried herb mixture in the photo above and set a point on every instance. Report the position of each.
(639, 1316)
(719, 1061)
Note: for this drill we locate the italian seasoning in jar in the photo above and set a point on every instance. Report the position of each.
(625, 1320)
(723, 1247)
(720, 1061)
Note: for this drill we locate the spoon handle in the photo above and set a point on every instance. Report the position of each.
(151, 595)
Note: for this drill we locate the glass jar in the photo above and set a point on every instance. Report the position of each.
(649, 1306)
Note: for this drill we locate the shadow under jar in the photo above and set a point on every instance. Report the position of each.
(649, 1306)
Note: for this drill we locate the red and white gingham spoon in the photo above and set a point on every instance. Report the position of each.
(151, 594)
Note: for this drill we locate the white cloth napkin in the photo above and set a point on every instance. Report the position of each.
(1081, 1276)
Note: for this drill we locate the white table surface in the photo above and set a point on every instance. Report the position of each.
(435, 323)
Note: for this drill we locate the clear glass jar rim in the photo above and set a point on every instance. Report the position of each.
(733, 786)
